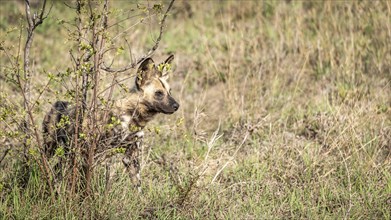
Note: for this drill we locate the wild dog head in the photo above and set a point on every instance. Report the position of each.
(151, 81)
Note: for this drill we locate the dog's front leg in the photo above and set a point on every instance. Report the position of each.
(131, 160)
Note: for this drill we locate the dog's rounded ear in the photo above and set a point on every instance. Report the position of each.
(165, 67)
(145, 72)
(146, 65)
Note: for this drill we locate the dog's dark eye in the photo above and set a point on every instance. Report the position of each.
(159, 93)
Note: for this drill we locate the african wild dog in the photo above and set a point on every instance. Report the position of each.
(126, 118)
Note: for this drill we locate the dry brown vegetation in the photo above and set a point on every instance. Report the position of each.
(285, 112)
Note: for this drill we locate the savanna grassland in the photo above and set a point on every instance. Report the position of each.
(285, 111)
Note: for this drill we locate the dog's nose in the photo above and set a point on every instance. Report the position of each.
(175, 106)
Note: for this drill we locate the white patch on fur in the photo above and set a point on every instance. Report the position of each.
(126, 161)
(139, 134)
(125, 120)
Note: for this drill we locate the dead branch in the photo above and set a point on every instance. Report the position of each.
(98, 42)
(33, 22)
(79, 111)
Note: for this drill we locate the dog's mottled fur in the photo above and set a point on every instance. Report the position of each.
(124, 122)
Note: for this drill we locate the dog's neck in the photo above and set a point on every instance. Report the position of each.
(141, 115)
(133, 111)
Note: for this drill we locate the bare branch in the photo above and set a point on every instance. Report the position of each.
(34, 20)
(41, 17)
(28, 14)
(70, 6)
(150, 52)
(29, 121)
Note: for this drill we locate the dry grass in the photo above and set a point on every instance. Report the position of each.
(285, 113)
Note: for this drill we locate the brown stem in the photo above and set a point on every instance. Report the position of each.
(79, 117)
(98, 41)
(33, 22)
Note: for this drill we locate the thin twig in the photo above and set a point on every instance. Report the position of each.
(40, 94)
(150, 52)
(232, 158)
(120, 21)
